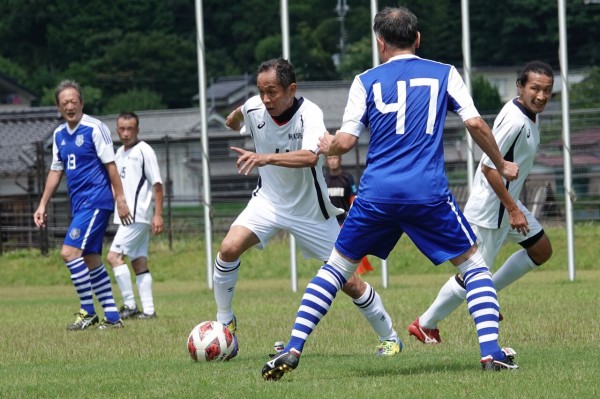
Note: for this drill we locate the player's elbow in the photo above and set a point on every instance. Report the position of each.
(476, 125)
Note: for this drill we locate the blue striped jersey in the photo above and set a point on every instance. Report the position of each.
(81, 154)
(404, 103)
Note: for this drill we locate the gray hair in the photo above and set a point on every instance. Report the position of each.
(68, 84)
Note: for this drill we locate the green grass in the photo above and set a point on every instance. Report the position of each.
(553, 324)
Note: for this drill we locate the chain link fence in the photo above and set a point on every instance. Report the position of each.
(543, 192)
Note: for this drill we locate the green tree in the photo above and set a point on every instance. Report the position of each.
(584, 95)
(358, 58)
(485, 95)
(134, 100)
(9, 68)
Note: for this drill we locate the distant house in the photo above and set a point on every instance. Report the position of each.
(24, 160)
(13, 95)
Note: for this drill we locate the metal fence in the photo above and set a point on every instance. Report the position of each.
(543, 192)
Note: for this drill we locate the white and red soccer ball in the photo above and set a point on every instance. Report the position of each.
(211, 340)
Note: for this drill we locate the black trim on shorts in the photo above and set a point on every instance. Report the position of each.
(531, 241)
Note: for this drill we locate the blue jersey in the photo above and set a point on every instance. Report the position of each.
(81, 153)
(404, 102)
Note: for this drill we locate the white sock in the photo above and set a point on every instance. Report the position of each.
(371, 307)
(123, 278)
(144, 284)
(225, 275)
(450, 297)
(515, 267)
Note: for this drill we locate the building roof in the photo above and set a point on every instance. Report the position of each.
(178, 124)
(20, 130)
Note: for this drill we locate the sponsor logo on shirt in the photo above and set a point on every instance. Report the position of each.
(260, 125)
(295, 136)
(62, 142)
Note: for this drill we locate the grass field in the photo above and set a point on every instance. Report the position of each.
(552, 323)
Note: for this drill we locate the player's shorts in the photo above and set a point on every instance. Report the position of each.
(132, 240)
(490, 240)
(315, 239)
(87, 229)
(439, 230)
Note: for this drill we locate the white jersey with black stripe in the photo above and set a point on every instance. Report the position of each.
(138, 168)
(518, 138)
(299, 192)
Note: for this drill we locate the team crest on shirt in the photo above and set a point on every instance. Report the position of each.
(75, 233)
(79, 140)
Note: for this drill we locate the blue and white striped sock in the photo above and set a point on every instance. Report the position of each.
(103, 290)
(80, 277)
(318, 296)
(483, 307)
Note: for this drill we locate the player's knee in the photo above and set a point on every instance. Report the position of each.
(69, 253)
(114, 259)
(541, 251)
(354, 287)
(229, 250)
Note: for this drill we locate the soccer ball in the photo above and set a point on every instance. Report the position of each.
(211, 340)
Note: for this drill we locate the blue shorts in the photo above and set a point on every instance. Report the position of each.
(87, 229)
(439, 230)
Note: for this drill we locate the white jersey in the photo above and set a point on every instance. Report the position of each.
(516, 131)
(293, 191)
(139, 173)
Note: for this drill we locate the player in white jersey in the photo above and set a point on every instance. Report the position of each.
(404, 188)
(493, 209)
(291, 194)
(83, 151)
(139, 171)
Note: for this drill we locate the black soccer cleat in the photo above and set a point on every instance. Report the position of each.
(280, 364)
(127, 313)
(488, 363)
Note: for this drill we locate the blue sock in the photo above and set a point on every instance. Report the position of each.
(318, 296)
(483, 307)
(80, 277)
(103, 290)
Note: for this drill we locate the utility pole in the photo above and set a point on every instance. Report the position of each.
(341, 9)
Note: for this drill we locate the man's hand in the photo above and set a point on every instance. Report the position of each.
(510, 170)
(157, 225)
(518, 221)
(39, 217)
(123, 211)
(325, 143)
(248, 160)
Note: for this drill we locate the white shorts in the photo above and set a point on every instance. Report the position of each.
(490, 241)
(314, 239)
(132, 240)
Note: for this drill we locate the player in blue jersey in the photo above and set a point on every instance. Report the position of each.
(493, 209)
(404, 188)
(83, 150)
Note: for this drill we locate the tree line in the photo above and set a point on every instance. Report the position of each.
(141, 54)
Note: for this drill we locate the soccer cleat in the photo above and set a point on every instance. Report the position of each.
(280, 364)
(127, 313)
(232, 325)
(147, 316)
(425, 335)
(83, 321)
(389, 348)
(106, 325)
(488, 363)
